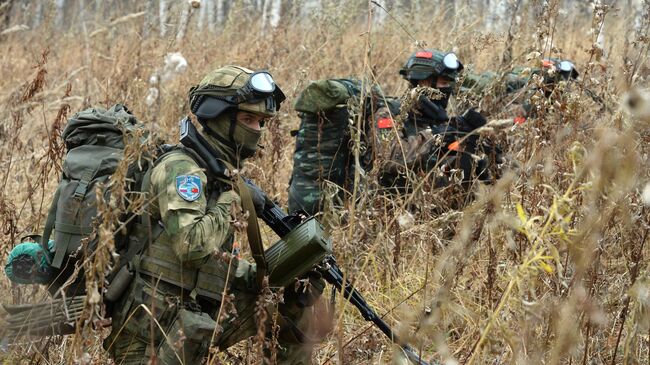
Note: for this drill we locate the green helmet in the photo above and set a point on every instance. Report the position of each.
(235, 87)
(431, 62)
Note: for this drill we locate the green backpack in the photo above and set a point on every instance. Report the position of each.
(323, 141)
(95, 140)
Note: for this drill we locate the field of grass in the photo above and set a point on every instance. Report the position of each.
(549, 265)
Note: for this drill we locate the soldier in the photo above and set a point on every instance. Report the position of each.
(430, 137)
(182, 273)
(323, 153)
(515, 88)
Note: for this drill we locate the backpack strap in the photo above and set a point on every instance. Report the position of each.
(151, 232)
(49, 223)
(86, 178)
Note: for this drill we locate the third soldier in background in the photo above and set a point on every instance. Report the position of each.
(515, 93)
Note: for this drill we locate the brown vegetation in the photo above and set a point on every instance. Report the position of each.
(549, 264)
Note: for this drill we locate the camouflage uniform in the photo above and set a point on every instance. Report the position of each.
(170, 308)
(323, 161)
(512, 87)
(430, 138)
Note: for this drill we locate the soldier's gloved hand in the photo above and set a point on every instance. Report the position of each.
(471, 120)
(257, 195)
(306, 291)
(432, 110)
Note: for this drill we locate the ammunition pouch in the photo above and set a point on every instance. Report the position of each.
(297, 253)
(119, 283)
(208, 281)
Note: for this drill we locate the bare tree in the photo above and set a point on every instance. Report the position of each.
(186, 15)
(309, 7)
(162, 16)
(203, 14)
(38, 14)
(209, 7)
(276, 9)
(60, 13)
(5, 10)
(149, 17)
(221, 12)
(496, 15)
(378, 14)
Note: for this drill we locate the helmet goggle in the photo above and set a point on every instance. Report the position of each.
(260, 86)
(566, 66)
(566, 69)
(451, 61)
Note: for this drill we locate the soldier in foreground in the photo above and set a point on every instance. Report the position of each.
(182, 275)
(176, 289)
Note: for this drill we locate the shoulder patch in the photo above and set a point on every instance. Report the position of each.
(188, 187)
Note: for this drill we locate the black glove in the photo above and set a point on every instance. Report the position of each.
(307, 290)
(471, 120)
(432, 111)
(257, 195)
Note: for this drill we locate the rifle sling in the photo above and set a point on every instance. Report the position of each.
(252, 227)
(49, 224)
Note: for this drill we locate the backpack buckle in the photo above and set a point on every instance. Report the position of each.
(82, 188)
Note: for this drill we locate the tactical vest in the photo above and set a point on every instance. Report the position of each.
(209, 280)
(160, 262)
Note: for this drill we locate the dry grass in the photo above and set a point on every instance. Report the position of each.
(549, 265)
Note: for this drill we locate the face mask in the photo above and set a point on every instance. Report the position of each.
(243, 141)
(246, 140)
(445, 99)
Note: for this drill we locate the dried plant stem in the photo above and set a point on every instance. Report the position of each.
(534, 255)
(638, 256)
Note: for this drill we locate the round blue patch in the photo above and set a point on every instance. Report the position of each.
(188, 187)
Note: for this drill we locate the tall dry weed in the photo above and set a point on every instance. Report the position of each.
(549, 264)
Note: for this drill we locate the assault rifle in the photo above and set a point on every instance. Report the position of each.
(283, 224)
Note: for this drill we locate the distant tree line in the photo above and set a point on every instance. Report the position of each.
(176, 17)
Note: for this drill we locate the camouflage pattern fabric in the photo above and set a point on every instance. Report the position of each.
(226, 81)
(322, 155)
(323, 161)
(157, 317)
(479, 82)
(322, 95)
(194, 228)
